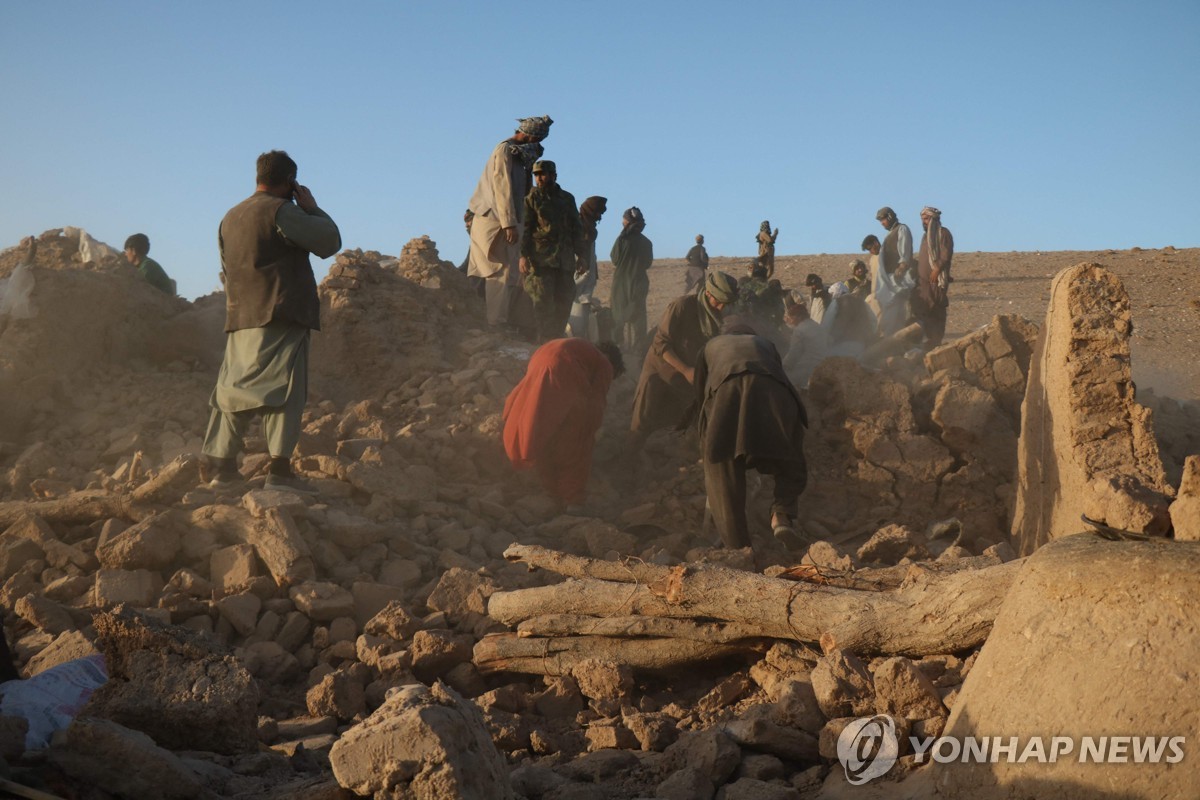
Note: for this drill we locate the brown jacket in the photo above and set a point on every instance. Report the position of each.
(266, 277)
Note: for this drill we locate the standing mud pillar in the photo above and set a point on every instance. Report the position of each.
(1086, 446)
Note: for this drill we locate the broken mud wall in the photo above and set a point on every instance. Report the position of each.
(1087, 446)
(385, 321)
(912, 448)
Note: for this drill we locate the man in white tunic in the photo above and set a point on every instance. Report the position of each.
(498, 205)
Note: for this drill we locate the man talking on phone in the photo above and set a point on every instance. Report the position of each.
(271, 306)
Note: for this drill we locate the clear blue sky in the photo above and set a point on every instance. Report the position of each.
(1032, 125)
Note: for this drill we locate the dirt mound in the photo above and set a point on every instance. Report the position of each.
(385, 320)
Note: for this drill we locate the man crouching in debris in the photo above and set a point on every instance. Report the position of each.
(552, 415)
(271, 306)
(749, 417)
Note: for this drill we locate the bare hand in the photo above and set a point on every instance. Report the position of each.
(690, 374)
(304, 198)
(523, 264)
(510, 236)
(581, 266)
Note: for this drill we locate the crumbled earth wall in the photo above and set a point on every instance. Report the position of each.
(1087, 446)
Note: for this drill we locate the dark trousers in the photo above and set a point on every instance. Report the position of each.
(553, 293)
(932, 317)
(725, 483)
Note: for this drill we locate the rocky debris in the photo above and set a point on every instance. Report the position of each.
(422, 742)
(101, 753)
(330, 604)
(1087, 447)
(903, 690)
(1177, 428)
(994, 358)
(891, 544)
(174, 685)
(1079, 596)
(842, 686)
(1185, 510)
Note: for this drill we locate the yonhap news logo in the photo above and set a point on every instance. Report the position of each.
(868, 747)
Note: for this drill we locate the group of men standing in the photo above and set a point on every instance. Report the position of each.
(533, 241)
(905, 288)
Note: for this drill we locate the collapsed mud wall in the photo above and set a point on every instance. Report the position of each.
(1087, 446)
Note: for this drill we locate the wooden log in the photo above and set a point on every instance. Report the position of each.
(637, 627)
(171, 482)
(935, 612)
(627, 570)
(508, 652)
(75, 507)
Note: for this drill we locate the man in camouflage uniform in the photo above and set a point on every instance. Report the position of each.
(552, 250)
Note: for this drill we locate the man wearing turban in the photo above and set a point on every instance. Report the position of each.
(664, 390)
(929, 301)
(498, 207)
(632, 254)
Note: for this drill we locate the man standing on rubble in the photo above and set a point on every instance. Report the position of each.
(750, 417)
(498, 205)
(271, 306)
(896, 252)
(551, 249)
(929, 299)
(697, 265)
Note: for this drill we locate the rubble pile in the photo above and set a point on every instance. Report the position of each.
(374, 637)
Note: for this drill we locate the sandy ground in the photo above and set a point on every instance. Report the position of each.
(1163, 286)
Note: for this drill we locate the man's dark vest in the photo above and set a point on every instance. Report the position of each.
(889, 257)
(266, 279)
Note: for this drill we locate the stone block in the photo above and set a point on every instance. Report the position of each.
(903, 690)
(174, 685)
(436, 652)
(393, 621)
(153, 543)
(259, 501)
(371, 598)
(842, 685)
(339, 695)
(460, 592)
(139, 587)
(15, 552)
(232, 566)
(99, 753)
(944, 357)
(322, 602)
(422, 742)
(241, 610)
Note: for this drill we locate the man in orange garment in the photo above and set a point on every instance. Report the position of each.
(552, 415)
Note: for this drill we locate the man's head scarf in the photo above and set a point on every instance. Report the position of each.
(637, 223)
(593, 208)
(535, 126)
(699, 238)
(933, 233)
(590, 212)
(765, 226)
(724, 289)
(526, 153)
